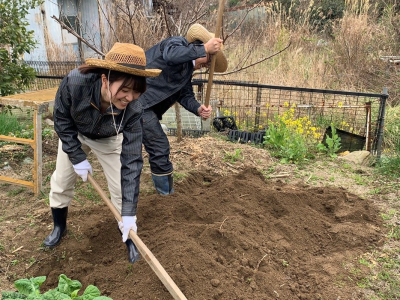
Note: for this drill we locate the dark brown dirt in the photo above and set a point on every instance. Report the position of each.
(219, 236)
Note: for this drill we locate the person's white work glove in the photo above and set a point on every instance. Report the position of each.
(128, 223)
(83, 168)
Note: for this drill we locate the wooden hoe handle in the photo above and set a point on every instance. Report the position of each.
(144, 251)
(214, 57)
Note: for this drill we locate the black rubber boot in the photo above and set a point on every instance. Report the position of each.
(60, 227)
(133, 253)
(164, 184)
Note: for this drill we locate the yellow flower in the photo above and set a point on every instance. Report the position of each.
(340, 104)
(286, 104)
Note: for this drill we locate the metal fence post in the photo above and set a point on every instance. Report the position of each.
(382, 106)
(258, 109)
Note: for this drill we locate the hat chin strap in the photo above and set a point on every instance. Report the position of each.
(111, 105)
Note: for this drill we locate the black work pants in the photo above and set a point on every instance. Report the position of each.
(156, 143)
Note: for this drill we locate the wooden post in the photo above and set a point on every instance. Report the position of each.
(37, 151)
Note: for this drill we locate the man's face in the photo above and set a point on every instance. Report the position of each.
(202, 62)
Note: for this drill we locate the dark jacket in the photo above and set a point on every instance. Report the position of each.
(174, 56)
(77, 109)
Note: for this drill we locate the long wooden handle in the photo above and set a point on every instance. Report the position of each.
(144, 251)
(214, 57)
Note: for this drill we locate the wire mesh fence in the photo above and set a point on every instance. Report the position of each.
(50, 73)
(251, 106)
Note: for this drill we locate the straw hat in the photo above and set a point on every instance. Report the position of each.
(198, 32)
(126, 58)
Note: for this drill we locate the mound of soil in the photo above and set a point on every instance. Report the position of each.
(232, 237)
(226, 233)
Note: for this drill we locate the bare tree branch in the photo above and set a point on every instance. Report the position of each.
(248, 66)
(195, 17)
(130, 17)
(257, 62)
(240, 22)
(73, 32)
(247, 55)
(165, 19)
(108, 21)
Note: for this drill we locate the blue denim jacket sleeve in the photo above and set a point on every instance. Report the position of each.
(187, 99)
(178, 51)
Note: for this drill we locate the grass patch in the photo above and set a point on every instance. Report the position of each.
(87, 192)
(9, 124)
(389, 166)
(233, 157)
(179, 176)
(16, 191)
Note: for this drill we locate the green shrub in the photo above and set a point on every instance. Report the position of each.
(15, 40)
(392, 130)
(326, 10)
(290, 138)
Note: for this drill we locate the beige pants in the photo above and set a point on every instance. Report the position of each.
(107, 151)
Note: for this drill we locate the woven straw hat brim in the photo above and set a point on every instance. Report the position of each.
(221, 63)
(95, 62)
(199, 32)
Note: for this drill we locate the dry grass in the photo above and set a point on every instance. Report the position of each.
(348, 59)
(343, 55)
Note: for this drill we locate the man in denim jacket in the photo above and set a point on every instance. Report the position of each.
(177, 57)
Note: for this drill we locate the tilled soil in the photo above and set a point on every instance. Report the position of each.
(226, 233)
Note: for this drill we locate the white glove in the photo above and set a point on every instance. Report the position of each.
(83, 168)
(128, 223)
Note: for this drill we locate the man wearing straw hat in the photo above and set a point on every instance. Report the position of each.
(96, 110)
(177, 57)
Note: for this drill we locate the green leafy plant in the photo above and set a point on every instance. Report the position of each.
(233, 157)
(333, 144)
(290, 138)
(67, 289)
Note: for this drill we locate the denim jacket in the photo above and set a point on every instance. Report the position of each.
(174, 56)
(77, 109)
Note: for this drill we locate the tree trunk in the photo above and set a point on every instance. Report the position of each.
(178, 122)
